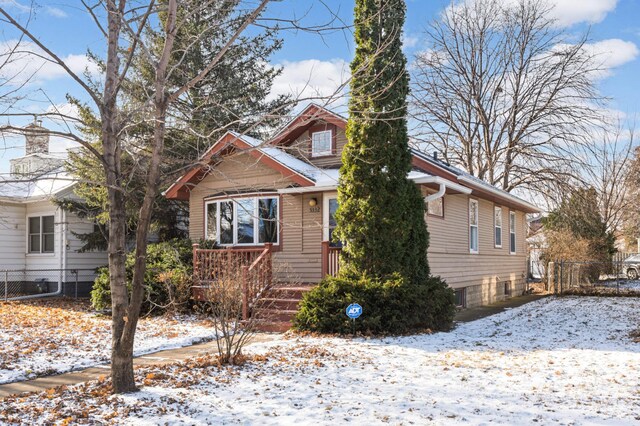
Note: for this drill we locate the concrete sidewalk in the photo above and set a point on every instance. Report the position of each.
(168, 356)
(472, 314)
(173, 355)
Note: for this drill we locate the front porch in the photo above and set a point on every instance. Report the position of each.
(266, 296)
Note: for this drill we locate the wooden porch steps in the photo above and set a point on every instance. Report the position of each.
(275, 311)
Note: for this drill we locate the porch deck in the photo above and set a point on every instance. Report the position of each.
(274, 303)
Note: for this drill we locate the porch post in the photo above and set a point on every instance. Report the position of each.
(196, 275)
(245, 292)
(325, 258)
(269, 246)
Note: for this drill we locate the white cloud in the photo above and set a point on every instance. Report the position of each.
(409, 41)
(27, 63)
(313, 80)
(56, 12)
(571, 12)
(612, 53)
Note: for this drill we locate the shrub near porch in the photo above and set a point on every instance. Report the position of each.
(390, 306)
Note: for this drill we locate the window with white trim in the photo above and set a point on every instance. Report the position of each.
(41, 234)
(512, 232)
(436, 207)
(243, 221)
(321, 143)
(473, 226)
(497, 226)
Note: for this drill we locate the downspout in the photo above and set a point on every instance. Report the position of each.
(437, 195)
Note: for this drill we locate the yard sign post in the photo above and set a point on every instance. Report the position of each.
(354, 311)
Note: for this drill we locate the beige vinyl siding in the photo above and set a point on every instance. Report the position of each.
(300, 258)
(301, 148)
(238, 173)
(449, 255)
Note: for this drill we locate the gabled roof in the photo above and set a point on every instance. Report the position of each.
(43, 187)
(300, 172)
(301, 123)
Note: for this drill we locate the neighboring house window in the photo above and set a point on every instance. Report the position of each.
(473, 226)
(497, 224)
(244, 221)
(512, 232)
(321, 143)
(436, 207)
(41, 234)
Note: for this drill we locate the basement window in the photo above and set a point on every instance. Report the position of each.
(461, 297)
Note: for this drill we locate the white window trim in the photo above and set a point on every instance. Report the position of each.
(322, 153)
(495, 226)
(28, 237)
(512, 214)
(477, 226)
(256, 220)
(325, 213)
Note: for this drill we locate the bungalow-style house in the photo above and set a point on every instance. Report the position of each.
(39, 251)
(247, 194)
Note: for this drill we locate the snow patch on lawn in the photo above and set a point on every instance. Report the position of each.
(557, 360)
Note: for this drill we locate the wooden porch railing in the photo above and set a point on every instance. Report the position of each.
(330, 259)
(251, 266)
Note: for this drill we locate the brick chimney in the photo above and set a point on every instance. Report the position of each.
(37, 138)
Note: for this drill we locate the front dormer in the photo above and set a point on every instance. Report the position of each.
(316, 135)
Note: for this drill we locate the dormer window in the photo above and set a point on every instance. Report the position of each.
(321, 143)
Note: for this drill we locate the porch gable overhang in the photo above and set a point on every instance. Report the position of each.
(180, 189)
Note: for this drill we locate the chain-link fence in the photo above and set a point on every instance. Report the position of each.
(30, 283)
(620, 275)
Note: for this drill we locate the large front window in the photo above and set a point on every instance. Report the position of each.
(243, 221)
(473, 226)
(41, 234)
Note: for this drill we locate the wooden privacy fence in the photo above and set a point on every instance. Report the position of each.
(251, 268)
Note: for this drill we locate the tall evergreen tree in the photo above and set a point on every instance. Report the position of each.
(381, 213)
(235, 95)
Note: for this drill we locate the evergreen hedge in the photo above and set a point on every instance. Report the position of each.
(390, 306)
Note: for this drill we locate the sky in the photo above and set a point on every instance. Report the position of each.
(312, 63)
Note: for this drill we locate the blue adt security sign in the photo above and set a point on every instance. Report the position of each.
(354, 311)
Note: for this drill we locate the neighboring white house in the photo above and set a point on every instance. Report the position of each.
(37, 240)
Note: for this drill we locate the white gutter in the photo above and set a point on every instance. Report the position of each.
(307, 189)
(419, 180)
(437, 195)
(442, 182)
(499, 193)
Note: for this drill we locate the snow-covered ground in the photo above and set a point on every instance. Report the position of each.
(52, 336)
(623, 284)
(558, 360)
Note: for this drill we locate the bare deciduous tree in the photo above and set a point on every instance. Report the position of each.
(504, 93)
(124, 25)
